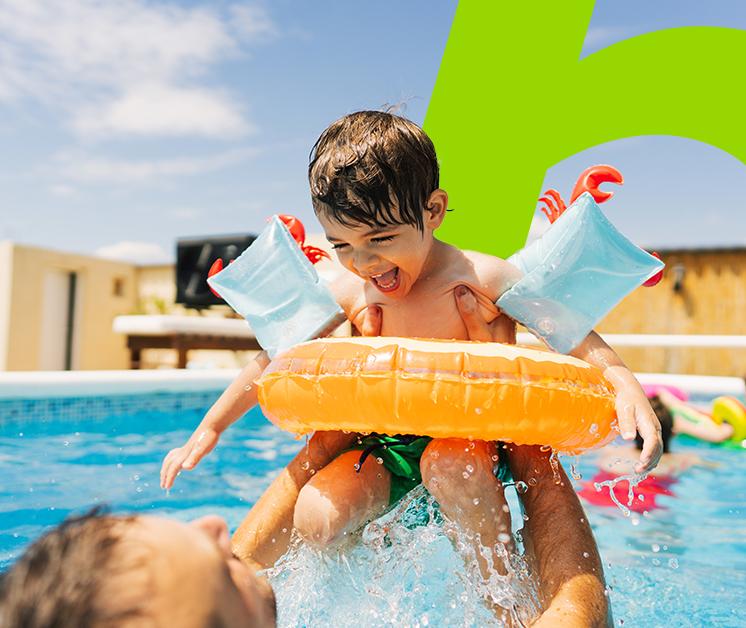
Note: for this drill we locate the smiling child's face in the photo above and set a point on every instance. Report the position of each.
(391, 258)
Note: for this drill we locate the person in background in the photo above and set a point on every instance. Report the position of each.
(692, 422)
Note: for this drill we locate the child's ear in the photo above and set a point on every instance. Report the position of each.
(437, 204)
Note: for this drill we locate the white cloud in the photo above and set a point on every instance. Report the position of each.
(68, 54)
(63, 191)
(104, 170)
(141, 253)
(162, 110)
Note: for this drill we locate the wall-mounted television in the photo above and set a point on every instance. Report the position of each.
(195, 256)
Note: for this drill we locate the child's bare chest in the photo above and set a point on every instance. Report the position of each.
(425, 313)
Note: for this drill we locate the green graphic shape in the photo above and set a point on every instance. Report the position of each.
(513, 98)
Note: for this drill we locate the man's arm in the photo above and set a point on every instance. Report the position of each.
(557, 535)
(559, 539)
(264, 534)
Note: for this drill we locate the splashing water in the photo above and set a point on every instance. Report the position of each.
(554, 463)
(574, 473)
(633, 478)
(402, 570)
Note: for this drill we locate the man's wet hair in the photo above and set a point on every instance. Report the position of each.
(666, 420)
(58, 581)
(373, 168)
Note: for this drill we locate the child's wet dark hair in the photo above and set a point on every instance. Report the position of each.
(666, 420)
(373, 168)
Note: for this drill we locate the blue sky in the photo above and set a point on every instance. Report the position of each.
(128, 123)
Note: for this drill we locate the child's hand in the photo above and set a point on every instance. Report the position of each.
(201, 443)
(635, 415)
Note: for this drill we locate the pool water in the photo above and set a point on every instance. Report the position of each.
(681, 564)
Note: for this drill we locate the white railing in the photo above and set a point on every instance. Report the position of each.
(713, 341)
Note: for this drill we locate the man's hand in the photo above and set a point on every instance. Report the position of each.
(502, 329)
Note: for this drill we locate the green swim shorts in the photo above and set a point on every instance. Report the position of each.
(401, 454)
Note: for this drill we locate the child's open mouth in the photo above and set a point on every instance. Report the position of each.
(388, 281)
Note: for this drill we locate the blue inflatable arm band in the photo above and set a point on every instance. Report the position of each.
(278, 291)
(574, 275)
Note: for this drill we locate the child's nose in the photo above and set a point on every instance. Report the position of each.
(364, 261)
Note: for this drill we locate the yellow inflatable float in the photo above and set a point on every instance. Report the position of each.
(442, 389)
(730, 410)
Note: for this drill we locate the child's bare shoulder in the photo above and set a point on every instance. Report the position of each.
(348, 290)
(494, 273)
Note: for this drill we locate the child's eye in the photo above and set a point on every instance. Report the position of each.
(339, 245)
(382, 239)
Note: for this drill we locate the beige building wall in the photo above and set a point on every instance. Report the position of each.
(710, 299)
(6, 274)
(105, 289)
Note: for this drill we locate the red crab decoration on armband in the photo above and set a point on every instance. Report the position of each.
(588, 181)
(298, 233)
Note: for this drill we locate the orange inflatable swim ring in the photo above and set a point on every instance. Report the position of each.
(438, 388)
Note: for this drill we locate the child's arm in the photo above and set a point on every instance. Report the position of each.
(237, 400)
(632, 405)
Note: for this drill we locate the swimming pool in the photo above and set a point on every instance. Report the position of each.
(683, 564)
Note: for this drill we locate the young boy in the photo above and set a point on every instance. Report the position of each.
(374, 186)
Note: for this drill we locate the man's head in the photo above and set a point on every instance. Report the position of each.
(374, 185)
(666, 420)
(100, 570)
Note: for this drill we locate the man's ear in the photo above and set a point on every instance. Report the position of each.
(437, 204)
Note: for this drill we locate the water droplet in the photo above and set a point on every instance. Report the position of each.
(312, 471)
(656, 562)
(506, 508)
(586, 554)
(465, 475)
(503, 537)
(525, 517)
(478, 410)
(521, 487)
(136, 477)
(495, 457)
(307, 465)
(655, 547)
(247, 388)
(274, 540)
(673, 563)
(138, 489)
(20, 434)
(532, 482)
(66, 443)
(593, 428)
(379, 460)
(469, 468)
(641, 497)
(284, 530)
(475, 501)
(357, 466)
